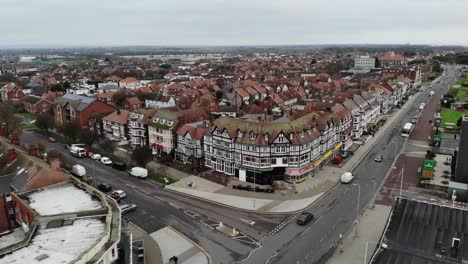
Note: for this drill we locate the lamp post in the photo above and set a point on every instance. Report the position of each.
(357, 207)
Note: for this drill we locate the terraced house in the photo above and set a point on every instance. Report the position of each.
(161, 131)
(265, 151)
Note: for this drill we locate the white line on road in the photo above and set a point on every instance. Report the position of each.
(247, 221)
(176, 206)
(201, 221)
(133, 186)
(191, 213)
(271, 257)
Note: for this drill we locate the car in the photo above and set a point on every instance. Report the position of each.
(118, 194)
(96, 156)
(127, 208)
(378, 158)
(119, 166)
(414, 120)
(89, 154)
(431, 93)
(304, 218)
(106, 161)
(104, 187)
(421, 106)
(52, 139)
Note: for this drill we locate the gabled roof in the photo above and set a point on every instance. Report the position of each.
(118, 116)
(196, 130)
(78, 102)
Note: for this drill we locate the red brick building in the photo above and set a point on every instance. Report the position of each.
(77, 109)
(36, 105)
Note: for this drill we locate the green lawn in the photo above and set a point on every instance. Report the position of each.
(461, 94)
(160, 178)
(29, 116)
(451, 116)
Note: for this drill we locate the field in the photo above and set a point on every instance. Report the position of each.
(450, 116)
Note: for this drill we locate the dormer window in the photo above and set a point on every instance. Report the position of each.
(291, 136)
(239, 133)
(169, 123)
(301, 134)
(309, 131)
(163, 121)
(156, 119)
(266, 137)
(252, 135)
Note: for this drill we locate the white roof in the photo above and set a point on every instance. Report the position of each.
(12, 238)
(58, 245)
(63, 199)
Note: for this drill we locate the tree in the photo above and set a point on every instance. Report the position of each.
(71, 131)
(165, 66)
(45, 122)
(88, 137)
(142, 155)
(219, 94)
(10, 123)
(66, 85)
(56, 88)
(459, 121)
(108, 146)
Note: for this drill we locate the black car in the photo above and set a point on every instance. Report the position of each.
(104, 187)
(304, 218)
(119, 166)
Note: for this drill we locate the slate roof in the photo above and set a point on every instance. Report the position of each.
(31, 99)
(78, 102)
(419, 231)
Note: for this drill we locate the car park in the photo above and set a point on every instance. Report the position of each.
(106, 161)
(127, 208)
(104, 187)
(304, 218)
(52, 139)
(96, 156)
(118, 194)
(378, 158)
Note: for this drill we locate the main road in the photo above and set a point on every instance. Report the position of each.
(337, 212)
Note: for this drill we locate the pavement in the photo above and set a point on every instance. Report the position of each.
(360, 248)
(172, 243)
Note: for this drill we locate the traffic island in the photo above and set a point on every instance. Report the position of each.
(227, 230)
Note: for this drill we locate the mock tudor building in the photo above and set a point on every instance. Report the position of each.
(289, 150)
(77, 109)
(190, 143)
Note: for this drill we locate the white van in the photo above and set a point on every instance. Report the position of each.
(78, 170)
(138, 172)
(431, 93)
(347, 177)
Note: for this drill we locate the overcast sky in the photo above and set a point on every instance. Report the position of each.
(232, 22)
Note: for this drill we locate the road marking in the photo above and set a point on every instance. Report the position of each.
(133, 186)
(210, 227)
(191, 213)
(272, 256)
(247, 221)
(176, 206)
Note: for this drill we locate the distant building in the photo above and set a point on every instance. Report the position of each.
(36, 105)
(390, 61)
(461, 166)
(364, 62)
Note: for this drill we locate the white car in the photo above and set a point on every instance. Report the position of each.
(118, 194)
(96, 156)
(106, 161)
(421, 106)
(431, 93)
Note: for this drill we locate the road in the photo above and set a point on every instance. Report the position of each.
(158, 208)
(337, 211)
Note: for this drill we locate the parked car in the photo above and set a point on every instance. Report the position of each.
(96, 156)
(118, 194)
(304, 218)
(378, 158)
(89, 154)
(344, 154)
(78, 170)
(127, 208)
(431, 93)
(104, 187)
(52, 139)
(106, 161)
(421, 106)
(414, 120)
(119, 166)
(139, 172)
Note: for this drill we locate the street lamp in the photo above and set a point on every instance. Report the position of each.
(357, 206)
